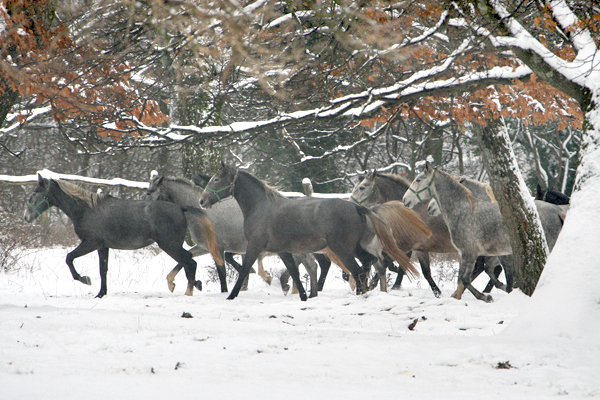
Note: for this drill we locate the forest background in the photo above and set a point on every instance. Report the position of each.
(296, 89)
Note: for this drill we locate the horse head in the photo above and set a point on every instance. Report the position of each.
(220, 186)
(420, 188)
(154, 193)
(364, 189)
(38, 201)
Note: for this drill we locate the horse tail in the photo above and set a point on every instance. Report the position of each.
(406, 225)
(208, 232)
(384, 235)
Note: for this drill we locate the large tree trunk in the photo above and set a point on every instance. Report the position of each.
(527, 239)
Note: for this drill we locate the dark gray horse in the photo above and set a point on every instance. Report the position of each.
(476, 227)
(103, 222)
(228, 221)
(377, 187)
(276, 224)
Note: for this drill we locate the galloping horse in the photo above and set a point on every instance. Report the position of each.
(104, 222)
(276, 224)
(476, 227)
(377, 187)
(228, 221)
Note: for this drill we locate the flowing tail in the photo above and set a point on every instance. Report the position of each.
(406, 225)
(384, 235)
(208, 232)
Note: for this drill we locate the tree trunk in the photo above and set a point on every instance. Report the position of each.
(527, 238)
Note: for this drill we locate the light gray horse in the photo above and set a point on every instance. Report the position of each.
(476, 227)
(377, 188)
(228, 221)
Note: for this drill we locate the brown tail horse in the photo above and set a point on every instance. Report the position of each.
(275, 224)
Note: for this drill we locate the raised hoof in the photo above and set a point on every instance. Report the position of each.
(456, 296)
(488, 299)
(171, 286)
(86, 281)
(198, 285)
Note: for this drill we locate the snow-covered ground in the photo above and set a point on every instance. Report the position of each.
(59, 342)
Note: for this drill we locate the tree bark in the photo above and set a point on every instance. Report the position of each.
(527, 238)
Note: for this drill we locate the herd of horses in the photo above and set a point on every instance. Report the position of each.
(233, 212)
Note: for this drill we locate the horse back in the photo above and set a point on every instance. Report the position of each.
(132, 224)
(309, 224)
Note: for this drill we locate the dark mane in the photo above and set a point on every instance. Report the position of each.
(75, 191)
(393, 177)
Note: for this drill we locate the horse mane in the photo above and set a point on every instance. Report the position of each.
(178, 179)
(394, 178)
(457, 186)
(272, 192)
(77, 192)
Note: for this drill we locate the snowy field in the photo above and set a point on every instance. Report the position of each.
(59, 342)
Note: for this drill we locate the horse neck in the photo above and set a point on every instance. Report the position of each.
(387, 190)
(249, 192)
(67, 204)
(450, 195)
(181, 193)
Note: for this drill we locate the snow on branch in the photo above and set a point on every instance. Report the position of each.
(115, 182)
(578, 71)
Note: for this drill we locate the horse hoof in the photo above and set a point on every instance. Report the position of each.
(286, 289)
(437, 293)
(198, 285)
(171, 287)
(488, 299)
(86, 281)
(100, 295)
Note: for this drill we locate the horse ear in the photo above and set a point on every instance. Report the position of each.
(41, 181)
(428, 167)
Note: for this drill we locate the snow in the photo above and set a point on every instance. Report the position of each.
(59, 342)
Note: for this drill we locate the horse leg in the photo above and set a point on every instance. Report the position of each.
(423, 257)
(85, 247)
(237, 267)
(184, 259)
(221, 272)
(311, 267)
(283, 279)
(103, 257)
(493, 270)
(171, 277)
(261, 271)
(381, 268)
(467, 265)
(509, 271)
(290, 264)
(247, 262)
(324, 263)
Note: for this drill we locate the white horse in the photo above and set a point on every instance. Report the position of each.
(476, 227)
